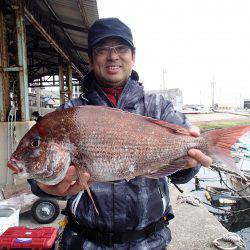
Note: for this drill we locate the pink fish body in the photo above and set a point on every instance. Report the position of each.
(110, 144)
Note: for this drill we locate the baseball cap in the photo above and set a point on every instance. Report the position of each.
(108, 27)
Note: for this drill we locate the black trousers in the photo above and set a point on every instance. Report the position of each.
(71, 240)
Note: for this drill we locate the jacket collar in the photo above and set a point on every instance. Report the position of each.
(131, 94)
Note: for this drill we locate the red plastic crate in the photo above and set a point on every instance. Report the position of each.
(24, 237)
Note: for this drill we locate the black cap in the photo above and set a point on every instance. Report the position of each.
(109, 27)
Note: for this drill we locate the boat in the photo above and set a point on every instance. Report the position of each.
(241, 154)
(240, 186)
(219, 196)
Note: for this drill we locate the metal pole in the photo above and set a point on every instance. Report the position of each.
(22, 61)
(164, 83)
(164, 80)
(38, 99)
(212, 92)
(61, 83)
(70, 85)
(4, 76)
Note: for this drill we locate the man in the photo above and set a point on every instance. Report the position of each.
(131, 212)
(36, 116)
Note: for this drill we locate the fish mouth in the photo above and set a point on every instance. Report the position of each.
(15, 165)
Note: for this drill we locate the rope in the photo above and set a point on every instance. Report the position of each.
(12, 117)
(218, 168)
(193, 200)
(236, 191)
(12, 131)
(225, 193)
(226, 210)
(233, 238)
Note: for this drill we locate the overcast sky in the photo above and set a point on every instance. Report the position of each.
(195, 41)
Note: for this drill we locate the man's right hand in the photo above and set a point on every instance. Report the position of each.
(68, 186)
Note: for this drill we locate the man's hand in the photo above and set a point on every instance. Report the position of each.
(68, 186)
(196, 156)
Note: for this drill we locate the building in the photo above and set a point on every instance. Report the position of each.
(173, 95)
(42, 44)
(44, 98)
(246, 104)
(76, 91)
(176, 97)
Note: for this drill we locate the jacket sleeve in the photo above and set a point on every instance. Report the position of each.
(185, 175)
(40, 193)
(159, 108)
(74, 103)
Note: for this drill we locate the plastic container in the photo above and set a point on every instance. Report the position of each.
(24, 237)
(9, 217)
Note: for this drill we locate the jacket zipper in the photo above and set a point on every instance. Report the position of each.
(116, 95)
(121, 100)
(113, 189)
(105, 97)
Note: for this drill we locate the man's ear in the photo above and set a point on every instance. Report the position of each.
(133, 56)
(90, 63)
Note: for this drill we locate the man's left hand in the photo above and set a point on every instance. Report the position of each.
(196, 156)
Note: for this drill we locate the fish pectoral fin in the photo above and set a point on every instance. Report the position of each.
(84, 184)
(170, 168)
(172, 128)
(180, 162)
(164, 171)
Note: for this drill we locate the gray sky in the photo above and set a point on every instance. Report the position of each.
(195, 41)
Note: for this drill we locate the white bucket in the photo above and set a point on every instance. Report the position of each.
(9, 217)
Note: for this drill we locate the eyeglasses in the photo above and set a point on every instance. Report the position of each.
(118, 49)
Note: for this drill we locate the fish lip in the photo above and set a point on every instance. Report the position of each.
(15, 166)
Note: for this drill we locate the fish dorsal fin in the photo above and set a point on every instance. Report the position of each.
(172, 128)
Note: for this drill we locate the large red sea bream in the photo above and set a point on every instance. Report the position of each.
(111, 145)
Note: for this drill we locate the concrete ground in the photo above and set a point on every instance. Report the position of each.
(193, 227)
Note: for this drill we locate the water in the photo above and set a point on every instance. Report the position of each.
(235, 217)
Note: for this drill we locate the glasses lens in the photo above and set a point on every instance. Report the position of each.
(104, 50)
(121, 49)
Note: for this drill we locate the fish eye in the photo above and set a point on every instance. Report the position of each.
(36, 141)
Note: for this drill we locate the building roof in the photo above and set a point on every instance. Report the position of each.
(57, 30)
(71, 20)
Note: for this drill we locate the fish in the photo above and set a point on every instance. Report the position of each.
(111, 145)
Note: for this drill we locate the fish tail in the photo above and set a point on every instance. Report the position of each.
(220, 142)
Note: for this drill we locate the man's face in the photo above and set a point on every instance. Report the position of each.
(112, 66)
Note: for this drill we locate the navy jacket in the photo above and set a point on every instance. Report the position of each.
(137, 203)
